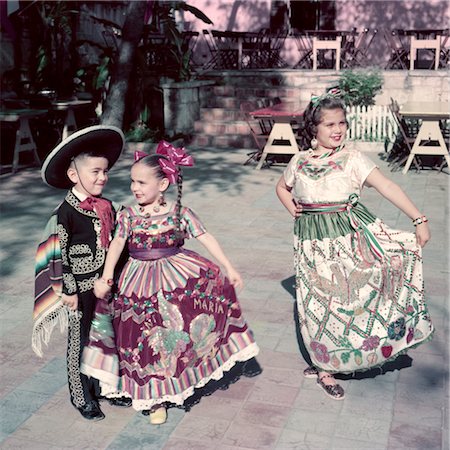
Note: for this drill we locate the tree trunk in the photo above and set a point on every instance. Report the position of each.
(114, 107)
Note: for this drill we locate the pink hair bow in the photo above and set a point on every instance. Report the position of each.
(175, 157)
(170, 169)
(139, 155)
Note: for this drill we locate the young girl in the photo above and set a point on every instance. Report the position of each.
(176, 319)
(359, 283)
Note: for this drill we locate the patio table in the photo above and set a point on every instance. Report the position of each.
(429, 139)
(244, 50)
(24, 138)
(230, 47)
(281, 139)
(68, 107)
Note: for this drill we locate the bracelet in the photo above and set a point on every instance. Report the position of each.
(419, 220)
(109, 281)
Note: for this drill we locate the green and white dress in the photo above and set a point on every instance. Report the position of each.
(359, 283)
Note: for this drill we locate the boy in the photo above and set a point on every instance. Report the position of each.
(73, 252)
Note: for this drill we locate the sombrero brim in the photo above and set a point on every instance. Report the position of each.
(102, 139)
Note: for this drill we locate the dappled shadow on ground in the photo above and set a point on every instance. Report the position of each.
(27, 202)
(248, 369)
(214, 167)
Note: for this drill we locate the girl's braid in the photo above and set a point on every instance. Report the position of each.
(179, 194)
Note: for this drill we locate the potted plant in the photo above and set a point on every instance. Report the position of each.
(358, 90)
(140, 136)
(176, 96)
(359, 87)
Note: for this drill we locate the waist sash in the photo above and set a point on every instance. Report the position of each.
(357, 225)
(151, 254)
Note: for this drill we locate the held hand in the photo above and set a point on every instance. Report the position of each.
(71, 301)
(423, 234)
(235, 278)
(101, 289)
(298, 209)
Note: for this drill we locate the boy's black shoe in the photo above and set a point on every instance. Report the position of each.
(124, 402)
(91, 411)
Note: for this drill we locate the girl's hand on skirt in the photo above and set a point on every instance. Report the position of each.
(235, 278)
(423, 234)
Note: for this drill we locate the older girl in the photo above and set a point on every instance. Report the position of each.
(360, 292)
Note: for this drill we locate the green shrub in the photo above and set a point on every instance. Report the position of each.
(359, 87)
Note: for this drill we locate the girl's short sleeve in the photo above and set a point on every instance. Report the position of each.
(192, 224)
(123, 225)
(362, 166)
(289, 172)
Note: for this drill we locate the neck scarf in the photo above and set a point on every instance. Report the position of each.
(104, 212)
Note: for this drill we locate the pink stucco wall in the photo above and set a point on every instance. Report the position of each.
(236, 15)
(392, 14)
(251, 15)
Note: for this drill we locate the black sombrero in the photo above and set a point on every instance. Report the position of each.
(102, 139)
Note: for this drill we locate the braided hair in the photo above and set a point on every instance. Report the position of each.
(313, 115)
(153, 162)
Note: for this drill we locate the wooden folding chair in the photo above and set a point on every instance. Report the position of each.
(259, 136)
(399, 54)
(407, 136)
(227, 50)
(304, 46)
(354, 53)
(255, 51)
(212, 63)
(276, 44)
(444, 57)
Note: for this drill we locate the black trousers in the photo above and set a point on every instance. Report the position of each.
(82, 388)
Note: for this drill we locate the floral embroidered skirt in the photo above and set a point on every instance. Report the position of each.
(356, 311)
(176, 325)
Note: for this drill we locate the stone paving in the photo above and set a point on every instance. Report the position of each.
(279, 409)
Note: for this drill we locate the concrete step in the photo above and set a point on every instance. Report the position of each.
(214, 114)
(224, 141)
(221, 123)
(221, 127)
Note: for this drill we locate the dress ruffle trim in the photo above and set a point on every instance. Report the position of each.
(178, 399)
(103, 367)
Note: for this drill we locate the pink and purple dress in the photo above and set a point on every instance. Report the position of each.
(176, 321)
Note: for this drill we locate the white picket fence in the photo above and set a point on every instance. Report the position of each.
(371, 123)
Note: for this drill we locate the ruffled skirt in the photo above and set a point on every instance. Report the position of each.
(176, 325)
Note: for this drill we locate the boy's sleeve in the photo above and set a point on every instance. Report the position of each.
(64, 235)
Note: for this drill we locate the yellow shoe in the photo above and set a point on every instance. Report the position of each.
(158, 416)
